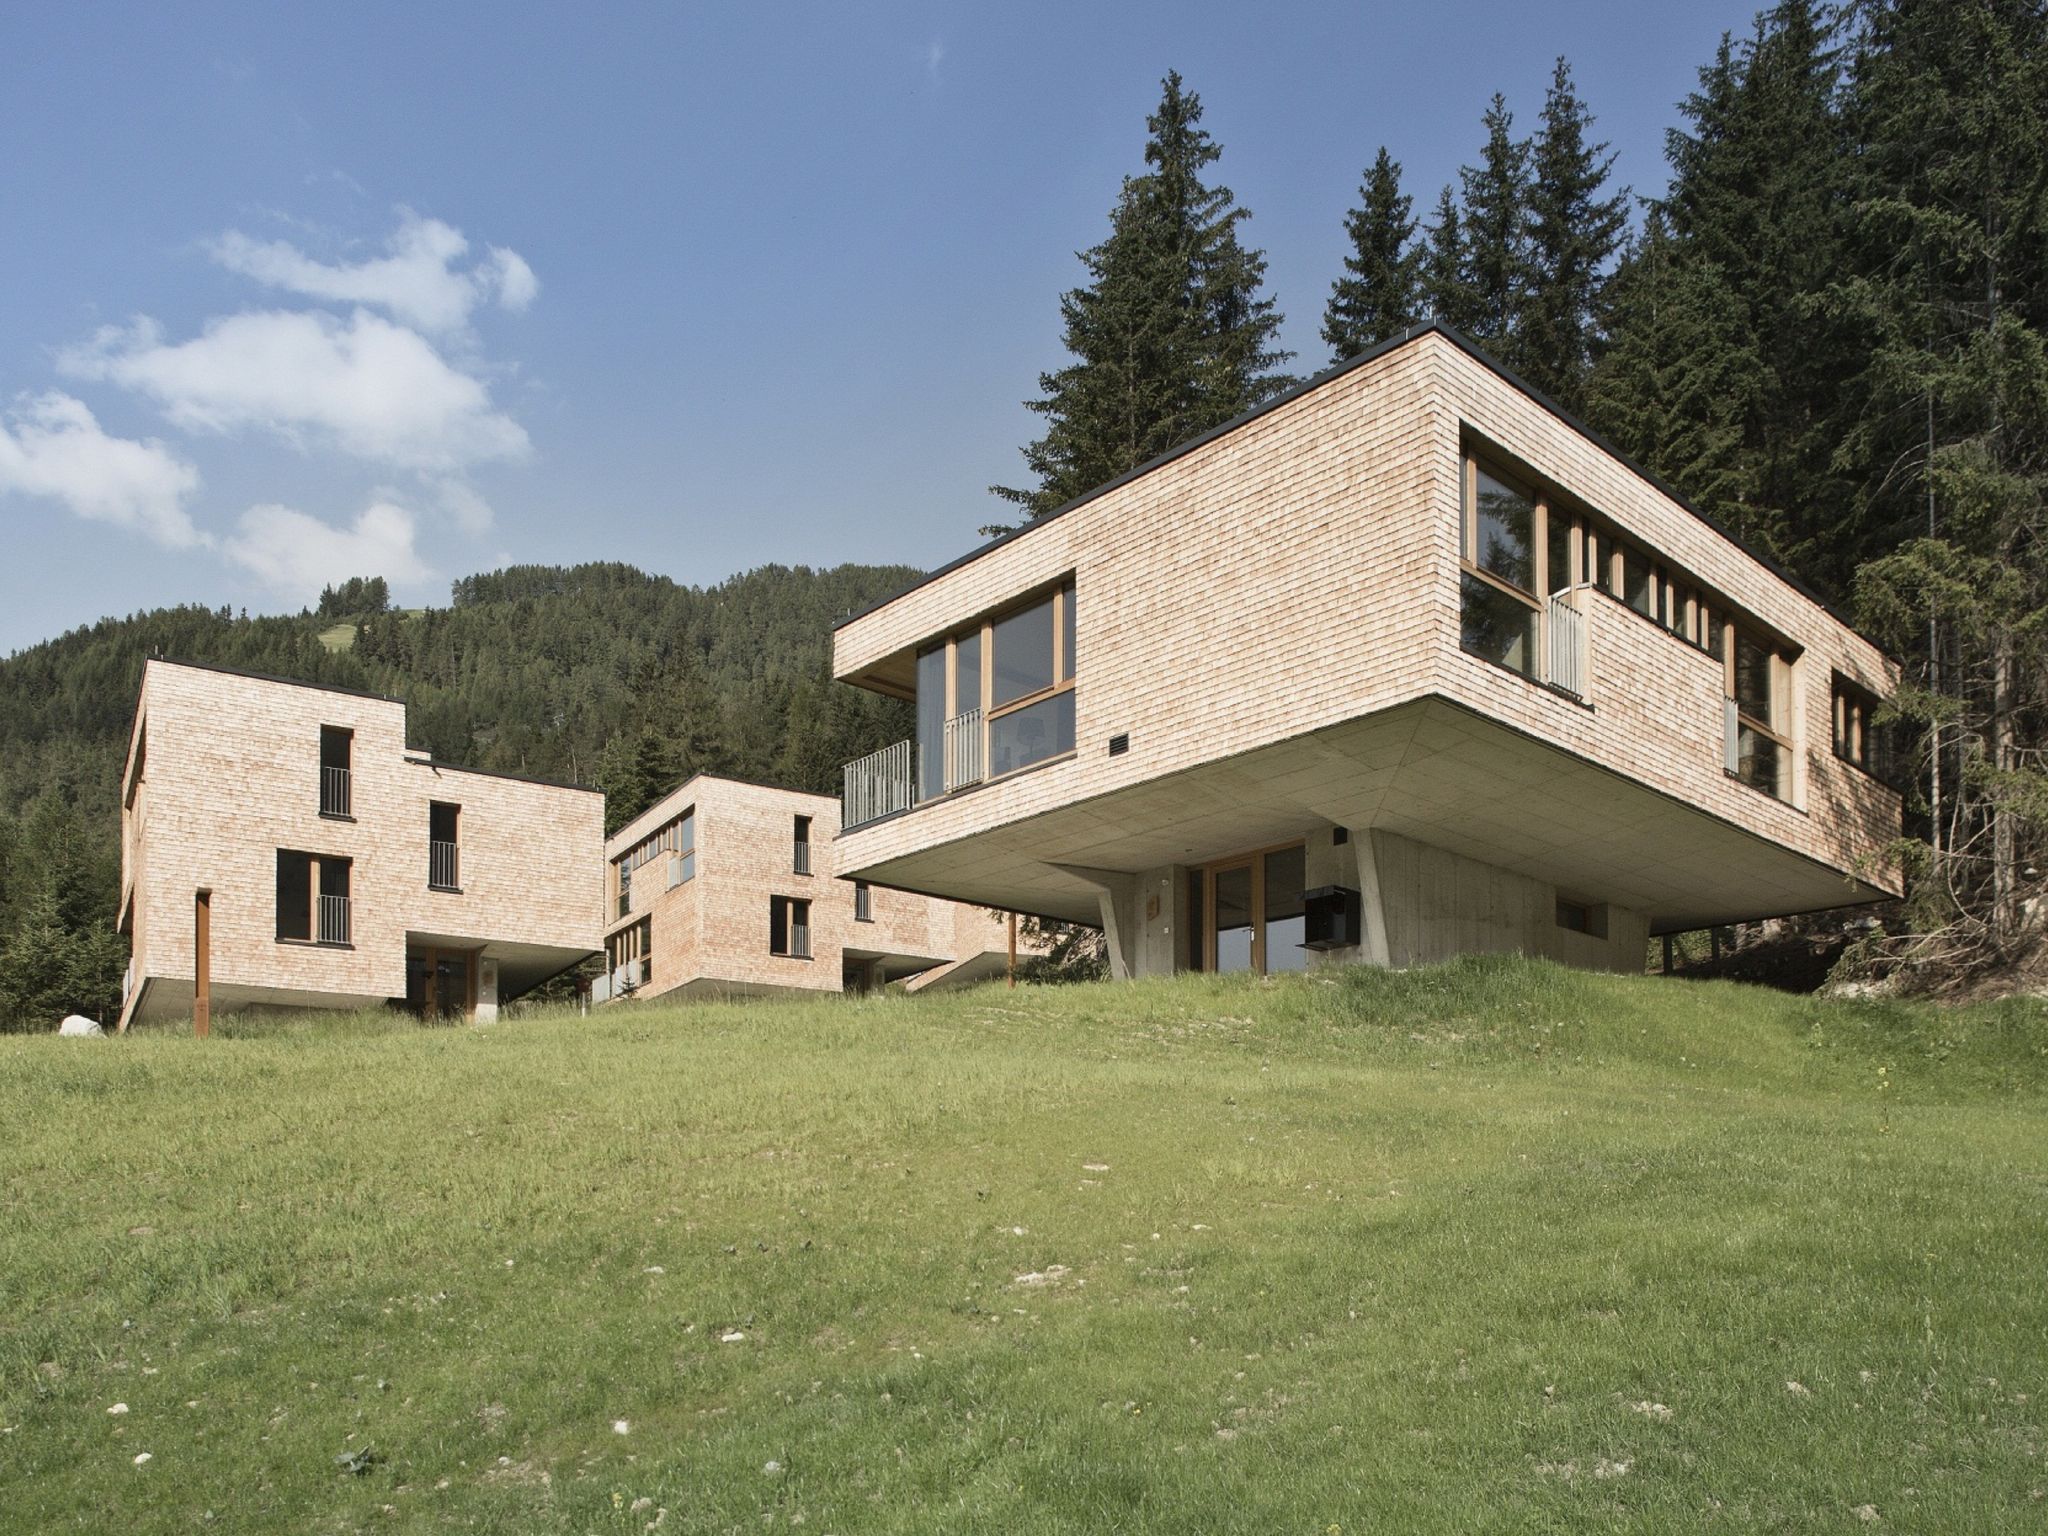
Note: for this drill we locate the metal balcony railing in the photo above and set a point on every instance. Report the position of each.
(885, 782)
(1567, 659)
(444, 865)
(877, 785)
(333, 920)
(963, 750)
(334, 792)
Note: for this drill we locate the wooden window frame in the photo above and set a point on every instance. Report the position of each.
(1782, 676)
(1255, 860)
(1060, 596)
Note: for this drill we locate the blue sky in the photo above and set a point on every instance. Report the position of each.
(289, 295)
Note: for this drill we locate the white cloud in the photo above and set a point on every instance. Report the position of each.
(464, 506)
(297, 554)
(372, 389)
(417, 280)
(56, 448)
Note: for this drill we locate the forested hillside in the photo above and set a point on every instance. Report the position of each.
(598, 673)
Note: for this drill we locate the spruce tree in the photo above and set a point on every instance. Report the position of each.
(1446, 275)
(1381, 287)
(1496, 231)
(1574, 233)
(1172, 334)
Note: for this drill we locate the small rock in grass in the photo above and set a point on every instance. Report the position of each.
(771, 1468)
(118, 1409)
(1798, 1389)
(641, 1503)
(1655, 1411)
(622, 1426)
(734, 1337)
(144, 1459)
(654, 1269)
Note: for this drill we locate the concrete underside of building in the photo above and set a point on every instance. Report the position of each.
(1459, 832)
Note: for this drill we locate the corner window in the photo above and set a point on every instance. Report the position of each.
(1497, 588)
(789, 927)
(998, 697)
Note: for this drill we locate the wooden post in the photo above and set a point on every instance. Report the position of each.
(1013, 949)
(202, 963)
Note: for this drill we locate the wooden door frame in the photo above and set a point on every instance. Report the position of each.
(1253, 859)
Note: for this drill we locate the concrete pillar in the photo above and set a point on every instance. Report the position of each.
(486, 991)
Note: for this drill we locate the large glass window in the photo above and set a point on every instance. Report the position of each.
(1497, 625)
(967, 673)
(1497, 591)
(1022, 654)
(1285, 915)
(931, 723)
(1232, 904)
(1759, 747)
(997, 697)
(1503, 530)
(1031, 734)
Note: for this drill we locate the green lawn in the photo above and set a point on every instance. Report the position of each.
(1496, 1247)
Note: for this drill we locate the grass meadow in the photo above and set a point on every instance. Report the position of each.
(1493, 1247)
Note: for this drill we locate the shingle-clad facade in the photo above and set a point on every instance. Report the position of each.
(1408, 636)
(727, 887)
(340, 868)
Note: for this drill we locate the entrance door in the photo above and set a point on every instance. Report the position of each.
(1253, 918)
(440, 983)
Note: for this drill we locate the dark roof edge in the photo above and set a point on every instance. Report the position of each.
(497, 773)
(272, 677)
(1316, 381)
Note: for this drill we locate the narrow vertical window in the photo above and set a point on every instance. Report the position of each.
(789, 927)
(294, 895)
(802, 851)
(444, 846)
(1497, 588)
(863, 902)
(336, 746)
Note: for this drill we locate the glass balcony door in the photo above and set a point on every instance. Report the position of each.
(1252, 912)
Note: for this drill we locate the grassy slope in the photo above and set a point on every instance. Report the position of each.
(1388, 1252)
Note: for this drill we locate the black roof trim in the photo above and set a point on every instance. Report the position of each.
(272, 677)
(496, 773)
(1316, 381)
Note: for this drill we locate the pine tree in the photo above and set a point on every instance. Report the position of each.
(1496, 231)
(1381, 288)
(1446, 273)
(1574, 233)
(1173, 333)
(1678, 383)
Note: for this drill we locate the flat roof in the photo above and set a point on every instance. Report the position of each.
(354, 693)
(1317, 381)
